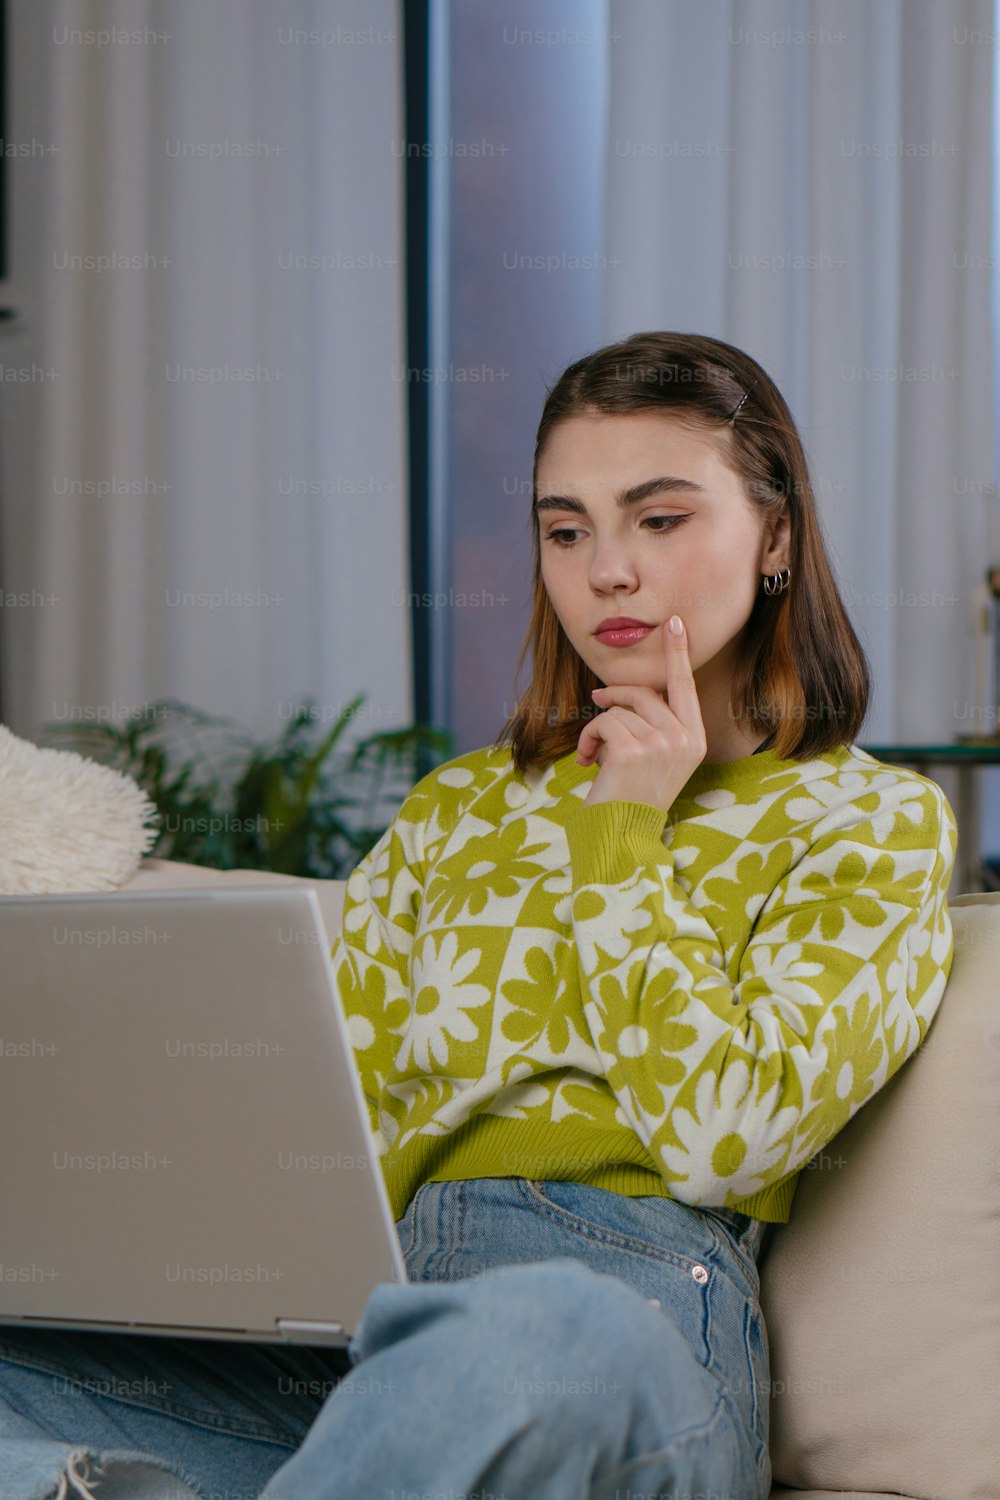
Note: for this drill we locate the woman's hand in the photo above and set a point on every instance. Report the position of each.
(647, 749)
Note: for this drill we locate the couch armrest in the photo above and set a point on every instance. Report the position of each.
(169, 874)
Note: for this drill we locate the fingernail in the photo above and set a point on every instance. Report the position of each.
(676, 625)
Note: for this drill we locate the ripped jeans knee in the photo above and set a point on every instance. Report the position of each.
(76, 1478)
(84, 1478)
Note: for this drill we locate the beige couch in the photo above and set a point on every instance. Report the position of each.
(882, 1295)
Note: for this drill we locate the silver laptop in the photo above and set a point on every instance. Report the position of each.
(185, 1148)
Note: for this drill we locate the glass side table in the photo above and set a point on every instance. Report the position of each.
(968, 757)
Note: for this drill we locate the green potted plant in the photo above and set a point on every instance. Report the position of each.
(297, 804)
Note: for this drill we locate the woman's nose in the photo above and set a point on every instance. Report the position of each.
(611, 565)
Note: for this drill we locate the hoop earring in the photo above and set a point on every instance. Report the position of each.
(777, 584)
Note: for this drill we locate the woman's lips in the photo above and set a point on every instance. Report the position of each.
(626, 635)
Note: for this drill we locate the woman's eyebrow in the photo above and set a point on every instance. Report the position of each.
(665, 483)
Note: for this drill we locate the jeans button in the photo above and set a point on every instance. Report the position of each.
(700, 1274)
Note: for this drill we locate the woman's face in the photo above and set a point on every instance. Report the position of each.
(687, 543)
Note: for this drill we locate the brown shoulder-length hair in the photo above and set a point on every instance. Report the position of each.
(803, 677)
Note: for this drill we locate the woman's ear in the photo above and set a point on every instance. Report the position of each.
(779, 535)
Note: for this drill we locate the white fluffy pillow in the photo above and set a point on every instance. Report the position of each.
(67, 823)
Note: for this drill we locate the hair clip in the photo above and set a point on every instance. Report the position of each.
(734, 413)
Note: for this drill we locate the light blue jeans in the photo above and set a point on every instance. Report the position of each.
(556, 1342)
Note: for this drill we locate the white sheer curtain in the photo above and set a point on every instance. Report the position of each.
(211, 486)
(811, 180)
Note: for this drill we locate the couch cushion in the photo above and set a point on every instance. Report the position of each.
(882, 1294)
(780, 1494)
(169, 874)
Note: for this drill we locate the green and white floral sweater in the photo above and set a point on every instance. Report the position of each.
(689, 1004)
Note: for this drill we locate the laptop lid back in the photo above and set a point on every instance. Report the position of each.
(184, 1144)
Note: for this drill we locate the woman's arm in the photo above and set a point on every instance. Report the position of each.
(735, 1085)
(371, 960)
(371, 956)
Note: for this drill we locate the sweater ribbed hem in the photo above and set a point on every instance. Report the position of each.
(774, 1204)
(492, 1146)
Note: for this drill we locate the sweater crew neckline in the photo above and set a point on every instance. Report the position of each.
(745, 773)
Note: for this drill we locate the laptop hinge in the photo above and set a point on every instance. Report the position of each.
(305, 1331)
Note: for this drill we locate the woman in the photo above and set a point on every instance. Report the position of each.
(612, 982)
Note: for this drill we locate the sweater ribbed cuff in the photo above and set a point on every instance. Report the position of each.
(609, 841)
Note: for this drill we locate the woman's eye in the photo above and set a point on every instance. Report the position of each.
(659, 525)
(666, 523)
